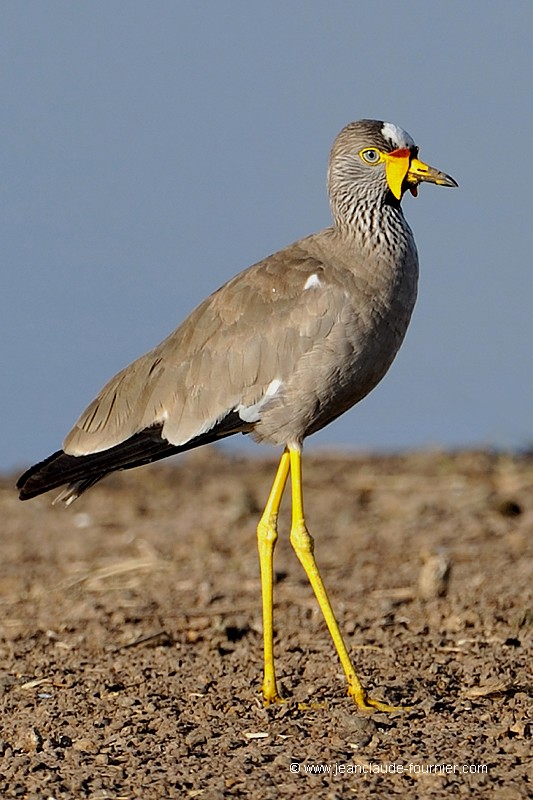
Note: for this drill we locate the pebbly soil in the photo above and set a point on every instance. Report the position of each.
(131, 649)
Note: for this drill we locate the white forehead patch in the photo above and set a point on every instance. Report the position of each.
(397, 136)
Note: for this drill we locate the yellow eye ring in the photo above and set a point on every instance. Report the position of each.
(371, 155)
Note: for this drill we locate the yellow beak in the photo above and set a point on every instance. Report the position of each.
(400, 167)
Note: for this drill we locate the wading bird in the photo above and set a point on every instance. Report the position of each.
(278, 352)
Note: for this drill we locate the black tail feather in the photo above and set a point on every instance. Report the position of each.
(82, 472)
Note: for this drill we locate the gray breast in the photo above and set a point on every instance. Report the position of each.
(365, 311)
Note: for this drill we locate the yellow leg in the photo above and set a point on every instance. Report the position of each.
(267, 534)
(303, 546)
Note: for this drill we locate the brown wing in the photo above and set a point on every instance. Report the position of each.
(223, 357)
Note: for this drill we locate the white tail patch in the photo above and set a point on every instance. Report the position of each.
(313, 282)
(253, 413)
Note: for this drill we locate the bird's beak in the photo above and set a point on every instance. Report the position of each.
(401, 166)
(418, 172)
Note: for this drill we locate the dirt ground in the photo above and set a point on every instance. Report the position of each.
(131, 646)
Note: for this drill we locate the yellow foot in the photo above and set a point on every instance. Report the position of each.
(270, 693)
(312, 706)
(369, 705)
(271, 698)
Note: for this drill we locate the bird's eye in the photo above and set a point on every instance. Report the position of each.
(370, 156)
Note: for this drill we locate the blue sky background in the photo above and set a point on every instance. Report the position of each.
(150, 150)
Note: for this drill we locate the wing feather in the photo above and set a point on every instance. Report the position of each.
(252, 331)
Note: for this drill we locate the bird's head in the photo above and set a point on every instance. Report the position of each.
(373, 161)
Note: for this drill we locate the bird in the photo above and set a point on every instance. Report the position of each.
(277, 353)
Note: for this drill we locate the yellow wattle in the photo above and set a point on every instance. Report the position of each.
(396, 168)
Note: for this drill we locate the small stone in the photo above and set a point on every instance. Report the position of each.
(85, 745)
(434, 576)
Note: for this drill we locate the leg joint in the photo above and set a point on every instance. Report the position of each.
(267, 530)
(301, 540)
